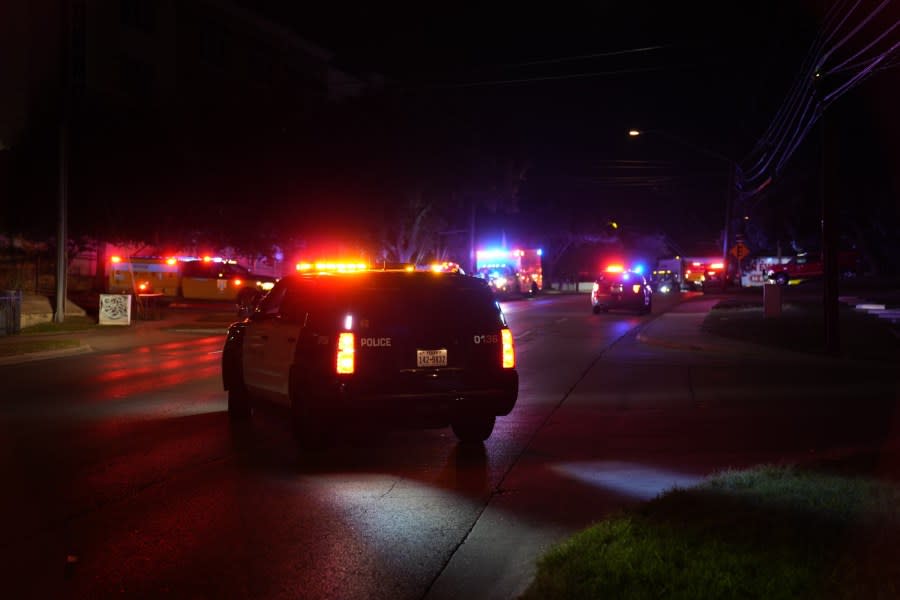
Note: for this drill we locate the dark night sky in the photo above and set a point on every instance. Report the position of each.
(713, 67)
(554, 85)
(563, 84)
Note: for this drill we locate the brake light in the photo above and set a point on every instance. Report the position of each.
(345, 353)
(143, 286)
(509, 352)
(636, 288)
(717, 266)
(116, 259)
(615, 269)
(237, 282)
(171, 261)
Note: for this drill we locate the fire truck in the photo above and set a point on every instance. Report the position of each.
(190, 278)
(511, 272)
(804, 266)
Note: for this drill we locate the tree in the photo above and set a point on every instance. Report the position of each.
(412, 232)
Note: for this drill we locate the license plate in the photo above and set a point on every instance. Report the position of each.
(431, 358)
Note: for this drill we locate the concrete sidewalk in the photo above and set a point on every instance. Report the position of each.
(17, 349)
(616, 440)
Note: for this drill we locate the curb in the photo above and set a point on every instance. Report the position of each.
(48, 354)
(207, 330)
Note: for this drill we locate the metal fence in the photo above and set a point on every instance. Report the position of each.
(10, 311)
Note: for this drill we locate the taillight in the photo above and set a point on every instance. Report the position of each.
(237, 282)
(509, 353)
(345, 353)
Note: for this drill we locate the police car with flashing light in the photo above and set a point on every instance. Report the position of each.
(619, 288)
(400, 347)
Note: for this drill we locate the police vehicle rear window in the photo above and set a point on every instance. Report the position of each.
(398, 301)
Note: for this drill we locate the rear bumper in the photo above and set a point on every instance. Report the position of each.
(417, 397)
(617, 301)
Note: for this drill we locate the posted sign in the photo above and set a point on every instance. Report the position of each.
(740, 251)
(115, 309)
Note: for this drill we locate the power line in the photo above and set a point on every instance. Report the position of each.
(550, 61)
(551, 77)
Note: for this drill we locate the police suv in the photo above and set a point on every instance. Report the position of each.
(402, 347)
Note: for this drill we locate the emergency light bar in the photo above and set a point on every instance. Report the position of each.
(340, 267)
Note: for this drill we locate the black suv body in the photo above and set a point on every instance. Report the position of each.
(429, 349)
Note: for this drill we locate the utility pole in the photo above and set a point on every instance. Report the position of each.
(726, 235)
(829, 193)
(62, 258)
(472, 261)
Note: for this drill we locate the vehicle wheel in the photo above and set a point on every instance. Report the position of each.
(597, 309)
(534, 288)
(471, 430)
(781, 279)
(239, 404)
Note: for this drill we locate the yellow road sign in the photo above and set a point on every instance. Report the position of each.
(740, 250)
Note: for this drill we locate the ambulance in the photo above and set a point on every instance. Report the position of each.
(511, 272)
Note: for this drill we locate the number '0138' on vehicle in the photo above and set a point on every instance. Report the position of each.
(333, 347)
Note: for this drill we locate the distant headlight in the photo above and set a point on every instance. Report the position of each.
(265, 285)
(500, 282)
(664, 288)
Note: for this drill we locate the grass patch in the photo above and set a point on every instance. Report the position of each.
(71, 324)
(800, 328)
(770, 532)
(29, 346)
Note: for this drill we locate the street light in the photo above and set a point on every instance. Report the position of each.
(733, 177)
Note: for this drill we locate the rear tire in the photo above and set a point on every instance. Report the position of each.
(239, 408)
(597, 310)
(473, 430)
(781, 279)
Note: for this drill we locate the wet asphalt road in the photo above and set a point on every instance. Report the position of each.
(126, 477)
